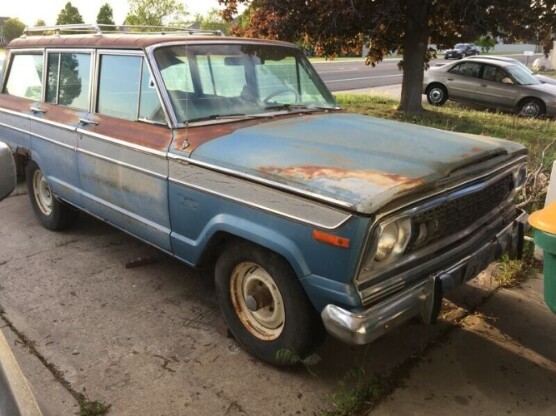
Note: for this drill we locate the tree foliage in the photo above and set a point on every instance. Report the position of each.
(105, 15)
(13, 28)
(335, 27)
(213, 21)
(69, 15)
(155, 13)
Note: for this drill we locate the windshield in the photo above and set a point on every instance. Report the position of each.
(522, 75)
(460, 46)
(212, 81)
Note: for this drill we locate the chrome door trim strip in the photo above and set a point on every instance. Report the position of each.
(123, 164)
(52, 123)
(16, 113)
(15, 128)
(122, 143)
(56, 142)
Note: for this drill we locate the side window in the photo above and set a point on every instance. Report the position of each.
(69, 79)
(467, 69)
(492, 73)
(126, 89)
(25, 76)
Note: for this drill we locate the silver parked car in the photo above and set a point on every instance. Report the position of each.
(542, 78)
(501, 85)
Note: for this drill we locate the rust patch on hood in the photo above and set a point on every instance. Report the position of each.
(378, 179)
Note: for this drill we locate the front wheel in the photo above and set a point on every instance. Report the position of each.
(51, 213)
(531, 107)
(437, 95)
(265, 306)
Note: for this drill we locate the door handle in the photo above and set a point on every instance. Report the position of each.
(36, 109)
(87, 121)
(450, 79)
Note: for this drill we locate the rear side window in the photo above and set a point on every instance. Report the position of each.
(25, 76)
(467, 69)
(126, 89)
(69, 79)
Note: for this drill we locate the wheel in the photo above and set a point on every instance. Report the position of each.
(265, 306)
(437, 95)
(531, 107)
(279, 91)
(51, 213)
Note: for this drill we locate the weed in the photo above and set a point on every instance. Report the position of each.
(95, 408)
(354, 393)
(509, 273)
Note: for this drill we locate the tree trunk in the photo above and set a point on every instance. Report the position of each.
(415, 46)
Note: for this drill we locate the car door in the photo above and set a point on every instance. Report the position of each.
(492, 92)
(122, 150)
(54, 122)
(462, 80)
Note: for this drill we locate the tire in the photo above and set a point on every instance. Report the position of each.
(285, 328)
(531, 107)
(52, 214)
(437, 94)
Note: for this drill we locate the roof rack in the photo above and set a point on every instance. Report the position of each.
(100, 29)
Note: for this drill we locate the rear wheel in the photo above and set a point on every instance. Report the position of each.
(531, 107)
(437, 94)
(265, 306)
(51, 213)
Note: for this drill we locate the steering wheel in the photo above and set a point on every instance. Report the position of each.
(282, 90)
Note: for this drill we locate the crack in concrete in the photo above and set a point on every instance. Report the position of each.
(82, 400)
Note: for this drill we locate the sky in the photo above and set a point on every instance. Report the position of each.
(29, 11)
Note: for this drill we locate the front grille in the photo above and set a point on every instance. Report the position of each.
(458, 214)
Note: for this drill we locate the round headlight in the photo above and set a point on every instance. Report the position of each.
(520, 176)
(393, 239)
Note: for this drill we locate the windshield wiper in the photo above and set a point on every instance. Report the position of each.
(294, 107)
(238, 116)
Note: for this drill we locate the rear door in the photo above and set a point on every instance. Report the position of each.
(122, 149)
(462, 80)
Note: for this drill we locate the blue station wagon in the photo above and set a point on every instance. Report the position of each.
(231, 153)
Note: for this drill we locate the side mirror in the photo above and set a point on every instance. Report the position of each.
(507, 80)
(7, 171)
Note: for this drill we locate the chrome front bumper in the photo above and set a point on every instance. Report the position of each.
(423, 299)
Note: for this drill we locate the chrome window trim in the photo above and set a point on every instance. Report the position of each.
(263, 181)
(496, 173)
(56, 142)
(123, 164)
(161, 89)
(283, 213)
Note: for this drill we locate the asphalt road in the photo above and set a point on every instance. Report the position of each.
(351, 75)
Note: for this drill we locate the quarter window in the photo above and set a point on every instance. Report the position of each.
(25, 76)
(68, 79)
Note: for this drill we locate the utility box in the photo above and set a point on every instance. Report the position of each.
(544, 222)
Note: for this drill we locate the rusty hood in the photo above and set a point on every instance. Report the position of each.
(356, 161)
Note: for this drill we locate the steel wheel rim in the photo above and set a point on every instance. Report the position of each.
(531, 109)
(436, 95)
(249, 280)
(42, 193)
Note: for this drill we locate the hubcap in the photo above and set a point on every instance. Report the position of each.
(531, 109)
(436, 95)
(257, 301)
(42, 193)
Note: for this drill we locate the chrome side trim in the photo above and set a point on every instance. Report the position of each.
(123, 164)
(52, 123)
(15, 113)
(14, 128)
(263, 181)
(257, 196)
(122, 143)
(67, 146)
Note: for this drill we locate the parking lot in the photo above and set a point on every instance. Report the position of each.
(149, 339)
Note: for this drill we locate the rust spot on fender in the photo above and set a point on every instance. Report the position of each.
(310, 172)
(476, 150)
